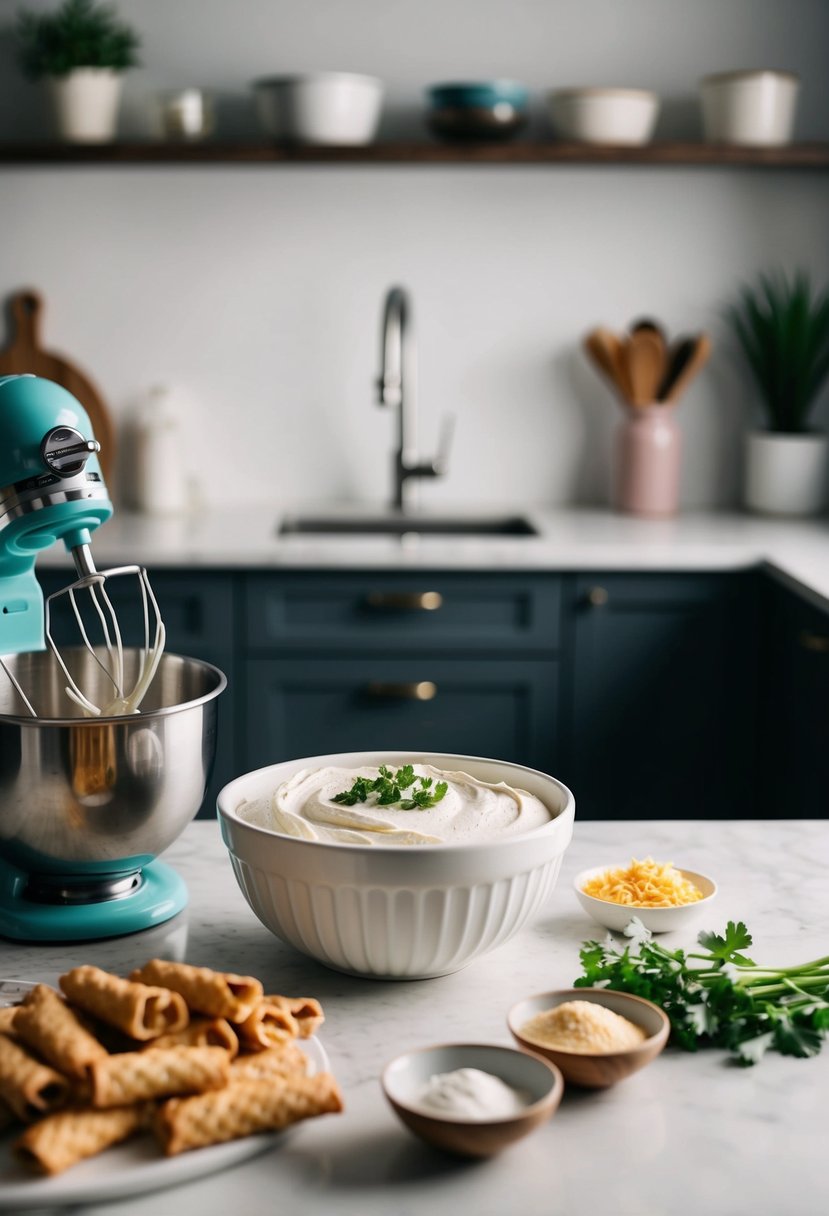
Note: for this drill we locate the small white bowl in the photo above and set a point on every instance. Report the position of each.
(391, 911)
(658, 920)
(604, 116)
(404, 1078)
(320, 108)
(751, 108)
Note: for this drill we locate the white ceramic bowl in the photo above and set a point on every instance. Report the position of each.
(658, 920)
(320, 108)
(538, 1079)
(754, 108)
(396, 912)
(604, 116)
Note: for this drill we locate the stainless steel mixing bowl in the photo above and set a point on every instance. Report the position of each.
(86, 802)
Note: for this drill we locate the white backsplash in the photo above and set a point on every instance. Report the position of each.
(255, 292)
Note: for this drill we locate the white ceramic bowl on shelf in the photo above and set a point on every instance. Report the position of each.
(396, 912)
(751, 108)
(320, 107)
(604, 116)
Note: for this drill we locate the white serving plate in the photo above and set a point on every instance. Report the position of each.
(133, 1168)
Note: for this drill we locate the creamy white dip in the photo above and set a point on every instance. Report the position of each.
(470, 812)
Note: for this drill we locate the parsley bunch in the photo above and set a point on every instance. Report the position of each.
(727, 1002)
(389, 786)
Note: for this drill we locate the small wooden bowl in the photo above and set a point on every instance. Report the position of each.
(595, 1071)
(405, 1076)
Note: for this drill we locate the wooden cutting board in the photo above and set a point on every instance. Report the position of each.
(26, 354)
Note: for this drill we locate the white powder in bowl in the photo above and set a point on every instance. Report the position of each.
(469, 1093)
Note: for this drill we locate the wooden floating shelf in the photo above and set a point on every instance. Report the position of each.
(791, 156)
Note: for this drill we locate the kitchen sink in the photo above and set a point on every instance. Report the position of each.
(400, 525)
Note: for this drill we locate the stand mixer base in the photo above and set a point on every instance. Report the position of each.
(160, 896)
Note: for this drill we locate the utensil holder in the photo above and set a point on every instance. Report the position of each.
(648, 452)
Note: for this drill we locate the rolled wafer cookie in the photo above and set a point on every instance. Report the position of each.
(136, 1076)
(201, 1032)
(6, 1116)
(305, 1010)
(243, 1108)
(46, 1024)
(267, 1025)
(219, 994)
(27, 1086)
(140, 1010)
(62, 1139)
(7, 1016)
(286, 1061)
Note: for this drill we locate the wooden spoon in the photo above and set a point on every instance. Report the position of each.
(646, 359)
(689, 356)
(605, 349)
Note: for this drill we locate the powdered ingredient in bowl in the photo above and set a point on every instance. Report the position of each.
(644, 884)
(470, 1093)
(583, 1027)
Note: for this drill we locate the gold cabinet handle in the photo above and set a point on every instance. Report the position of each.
(597, 597)
(405, 601)
(818, 643)
(417, 690)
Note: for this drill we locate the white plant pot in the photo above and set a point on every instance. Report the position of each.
(85, 104)
(785, 474)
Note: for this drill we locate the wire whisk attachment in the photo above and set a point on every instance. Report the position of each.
(101, 615)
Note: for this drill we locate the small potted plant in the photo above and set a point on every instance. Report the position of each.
(80, 50)
(782, 327)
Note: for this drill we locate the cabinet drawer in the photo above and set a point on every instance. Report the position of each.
(197, 612)
(393, 611)
(506, 708)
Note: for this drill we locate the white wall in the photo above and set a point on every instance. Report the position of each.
(256, 292)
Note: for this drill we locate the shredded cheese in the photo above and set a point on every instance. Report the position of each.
(644, 884)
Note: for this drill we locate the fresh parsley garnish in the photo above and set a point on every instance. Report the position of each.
(389, 786)
(728, 1001)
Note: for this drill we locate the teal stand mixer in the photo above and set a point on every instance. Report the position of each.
(105, 748)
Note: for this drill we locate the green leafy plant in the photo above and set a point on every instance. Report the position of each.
(782, 326)
(79, 34)
(729, 1001)
(394, 789)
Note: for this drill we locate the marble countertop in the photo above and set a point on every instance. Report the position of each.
(796, 551)
(688, 1134)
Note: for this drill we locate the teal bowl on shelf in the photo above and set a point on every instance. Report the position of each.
(478, 110)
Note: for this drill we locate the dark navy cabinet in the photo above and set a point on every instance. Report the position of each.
(662, 695)
(681, 695)
(794, 762)
(424, 660)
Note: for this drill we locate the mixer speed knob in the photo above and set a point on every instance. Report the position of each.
(65, 451)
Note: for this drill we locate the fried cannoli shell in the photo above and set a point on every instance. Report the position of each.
(159, 1072)
(6, 1116)
(63, 1139)
(45, 1023)
(201, 1032)
(306, 1012)
(267, 1026)
(219, 994)
(139, 1010)
(7, 1016)
(243, 1108)
(287, 1061)
(29, 1087)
